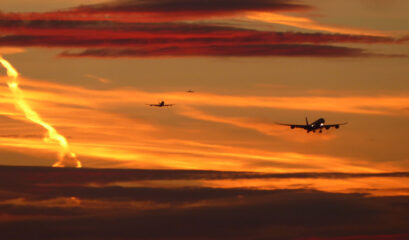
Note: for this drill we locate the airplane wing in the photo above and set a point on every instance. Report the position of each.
(293, 125)
(168, 105)
(336, 125)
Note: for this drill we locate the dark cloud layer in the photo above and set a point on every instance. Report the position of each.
(38, 175)
(187, 43)
(227, 51)
(108, 39)
(172, 31)
(161, 10)
(54, 203)
(193, 5)
(278, 215)
(190, 46)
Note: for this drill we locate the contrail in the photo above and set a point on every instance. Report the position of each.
(52, 135)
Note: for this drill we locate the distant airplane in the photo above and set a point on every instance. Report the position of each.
(317, 125)
(161, 104)
(190, 91)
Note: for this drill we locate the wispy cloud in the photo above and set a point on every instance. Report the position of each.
(99, 79)
(91, 99)
(307, 23)
(97, 132)
(267, 128)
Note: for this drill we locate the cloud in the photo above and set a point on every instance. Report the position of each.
(267, 128)
(106, 36)
(100, 134)
(188, 5)
(169, 32)
(162, 10)
(73, 177)
(363, 237)
(21, 136)
(178, 39)
(78, 203)
(226, 51)
(89, 100)
(230, 43)
(99, 79)
(197, 213)
(10, 50)
(306, 23)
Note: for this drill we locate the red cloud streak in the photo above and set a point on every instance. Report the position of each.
(225, 51)
(132, 29)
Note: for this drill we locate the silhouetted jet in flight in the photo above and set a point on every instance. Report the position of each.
(161, 104)
(317, 125)
(190, 91)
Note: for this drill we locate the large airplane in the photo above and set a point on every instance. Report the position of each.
(161, 104)
(317, 125)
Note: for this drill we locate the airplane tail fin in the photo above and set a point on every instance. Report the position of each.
(306, 121)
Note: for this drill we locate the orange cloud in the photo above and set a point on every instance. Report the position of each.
(383, 105)
(270, 129)
(98, 132)
(143, 154)
(10, 50)
(62, 94)
(306, 23)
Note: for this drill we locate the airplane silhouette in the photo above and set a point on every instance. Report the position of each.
(161, 104)
(317, 125)
(190, 91)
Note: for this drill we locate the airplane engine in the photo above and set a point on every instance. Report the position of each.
(336, 126)
(292, 127)
(327, 127)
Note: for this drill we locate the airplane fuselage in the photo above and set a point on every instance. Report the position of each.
(319, 124)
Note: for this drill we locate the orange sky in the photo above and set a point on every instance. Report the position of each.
(85, 155)
(99, 104)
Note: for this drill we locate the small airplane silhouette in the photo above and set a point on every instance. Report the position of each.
(190, 91)
(161, 104)
(317, 125)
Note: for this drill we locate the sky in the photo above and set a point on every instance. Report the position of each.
(77, 78)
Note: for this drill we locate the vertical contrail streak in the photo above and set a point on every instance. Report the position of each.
(52, 135)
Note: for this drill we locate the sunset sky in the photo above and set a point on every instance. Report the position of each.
(88, 69)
